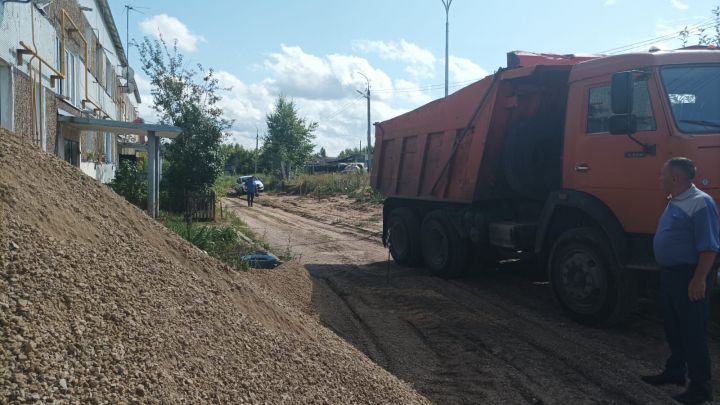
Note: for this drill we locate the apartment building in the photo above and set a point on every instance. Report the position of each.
(61, 61)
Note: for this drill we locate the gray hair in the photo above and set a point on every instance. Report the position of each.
(683, 165)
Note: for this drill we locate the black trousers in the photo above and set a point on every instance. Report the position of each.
(251, 198)
(685, 326)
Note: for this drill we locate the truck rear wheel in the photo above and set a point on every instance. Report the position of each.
(586, 280)
(404, 237)
(445, 254)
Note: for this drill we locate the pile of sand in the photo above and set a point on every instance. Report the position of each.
(99, 303)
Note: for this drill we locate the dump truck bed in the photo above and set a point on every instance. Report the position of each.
(450, 149)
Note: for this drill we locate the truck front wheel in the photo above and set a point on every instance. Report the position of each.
(404, 237)
(586, 280)
(445, 254)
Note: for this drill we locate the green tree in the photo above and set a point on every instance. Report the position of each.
(239, 159)
(187, 98)
(704, 35)
(352, 152)
(131, 182)
(322, 152)
(287, 146)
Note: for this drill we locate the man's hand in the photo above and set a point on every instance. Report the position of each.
(696, 289)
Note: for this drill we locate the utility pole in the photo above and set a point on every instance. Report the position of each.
(366, 94)
(447, 4)
(257, 138)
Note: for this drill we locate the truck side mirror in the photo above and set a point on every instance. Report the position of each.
(622, 124)
(621, 93)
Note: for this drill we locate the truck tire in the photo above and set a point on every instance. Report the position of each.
(404, 237)
(531, 157)
(445, 254)
(587, 281)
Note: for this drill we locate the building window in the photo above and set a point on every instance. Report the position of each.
(109, 78)
(599, 110)
(69, 88)
(99, 61)
(109, 147)
(58, 65)
(6, 97)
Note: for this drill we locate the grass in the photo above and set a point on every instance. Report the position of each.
(221, 240)
(224, 185)
(353, 185)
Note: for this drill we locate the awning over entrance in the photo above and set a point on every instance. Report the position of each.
(118, 127)
(152, 131)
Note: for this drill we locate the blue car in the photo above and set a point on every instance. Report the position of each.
(261, 261)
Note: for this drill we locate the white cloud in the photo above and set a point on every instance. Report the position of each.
(171, 29)
(464, 70)
(420, 62)
(679, 5)
(145, 109)
(299, 74)
(323, 88)
(411, 93)
(610, 3)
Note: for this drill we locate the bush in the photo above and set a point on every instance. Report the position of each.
(219, 241)
(131, 182)
(224, 185)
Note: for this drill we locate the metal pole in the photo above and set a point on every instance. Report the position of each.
(366, 94)
(153, 175)
(447, 4)
(257, 138)
(369, 157)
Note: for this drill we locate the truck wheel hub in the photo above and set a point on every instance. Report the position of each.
(583, 282)
(438, 247)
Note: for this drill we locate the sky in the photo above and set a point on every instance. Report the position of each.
(317, 51)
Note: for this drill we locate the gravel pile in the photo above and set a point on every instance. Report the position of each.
(291, 283)
(100, 304)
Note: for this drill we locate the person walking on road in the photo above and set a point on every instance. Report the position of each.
(686, 244)
(250, 189)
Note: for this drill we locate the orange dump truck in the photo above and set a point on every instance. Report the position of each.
(554, 159)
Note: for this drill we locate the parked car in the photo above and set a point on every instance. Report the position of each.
(353, 168)
(240, 186)
(261, 260)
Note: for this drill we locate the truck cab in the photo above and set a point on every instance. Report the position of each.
(676, 108)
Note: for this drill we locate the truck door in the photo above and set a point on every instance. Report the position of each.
(613, 168)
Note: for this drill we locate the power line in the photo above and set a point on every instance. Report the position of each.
(342, 109)
(425, 87)
(704, 24)
(620, 49)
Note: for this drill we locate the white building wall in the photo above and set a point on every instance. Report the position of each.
(18, 22)
(16, 25)
(102, 172)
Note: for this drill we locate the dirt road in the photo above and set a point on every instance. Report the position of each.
(494, 337)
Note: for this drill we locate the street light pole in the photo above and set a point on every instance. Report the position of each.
(447, 4)
(366, 94)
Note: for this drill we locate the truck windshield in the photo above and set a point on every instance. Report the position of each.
(694, 95)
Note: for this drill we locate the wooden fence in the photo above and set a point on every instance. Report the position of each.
(200, 207)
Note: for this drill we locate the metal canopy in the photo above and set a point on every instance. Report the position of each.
(152, 131)
(119, 127)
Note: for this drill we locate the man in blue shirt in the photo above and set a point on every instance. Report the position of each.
(250, 189)
(686, 243)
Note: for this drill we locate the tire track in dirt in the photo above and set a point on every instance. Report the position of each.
(486, 339)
